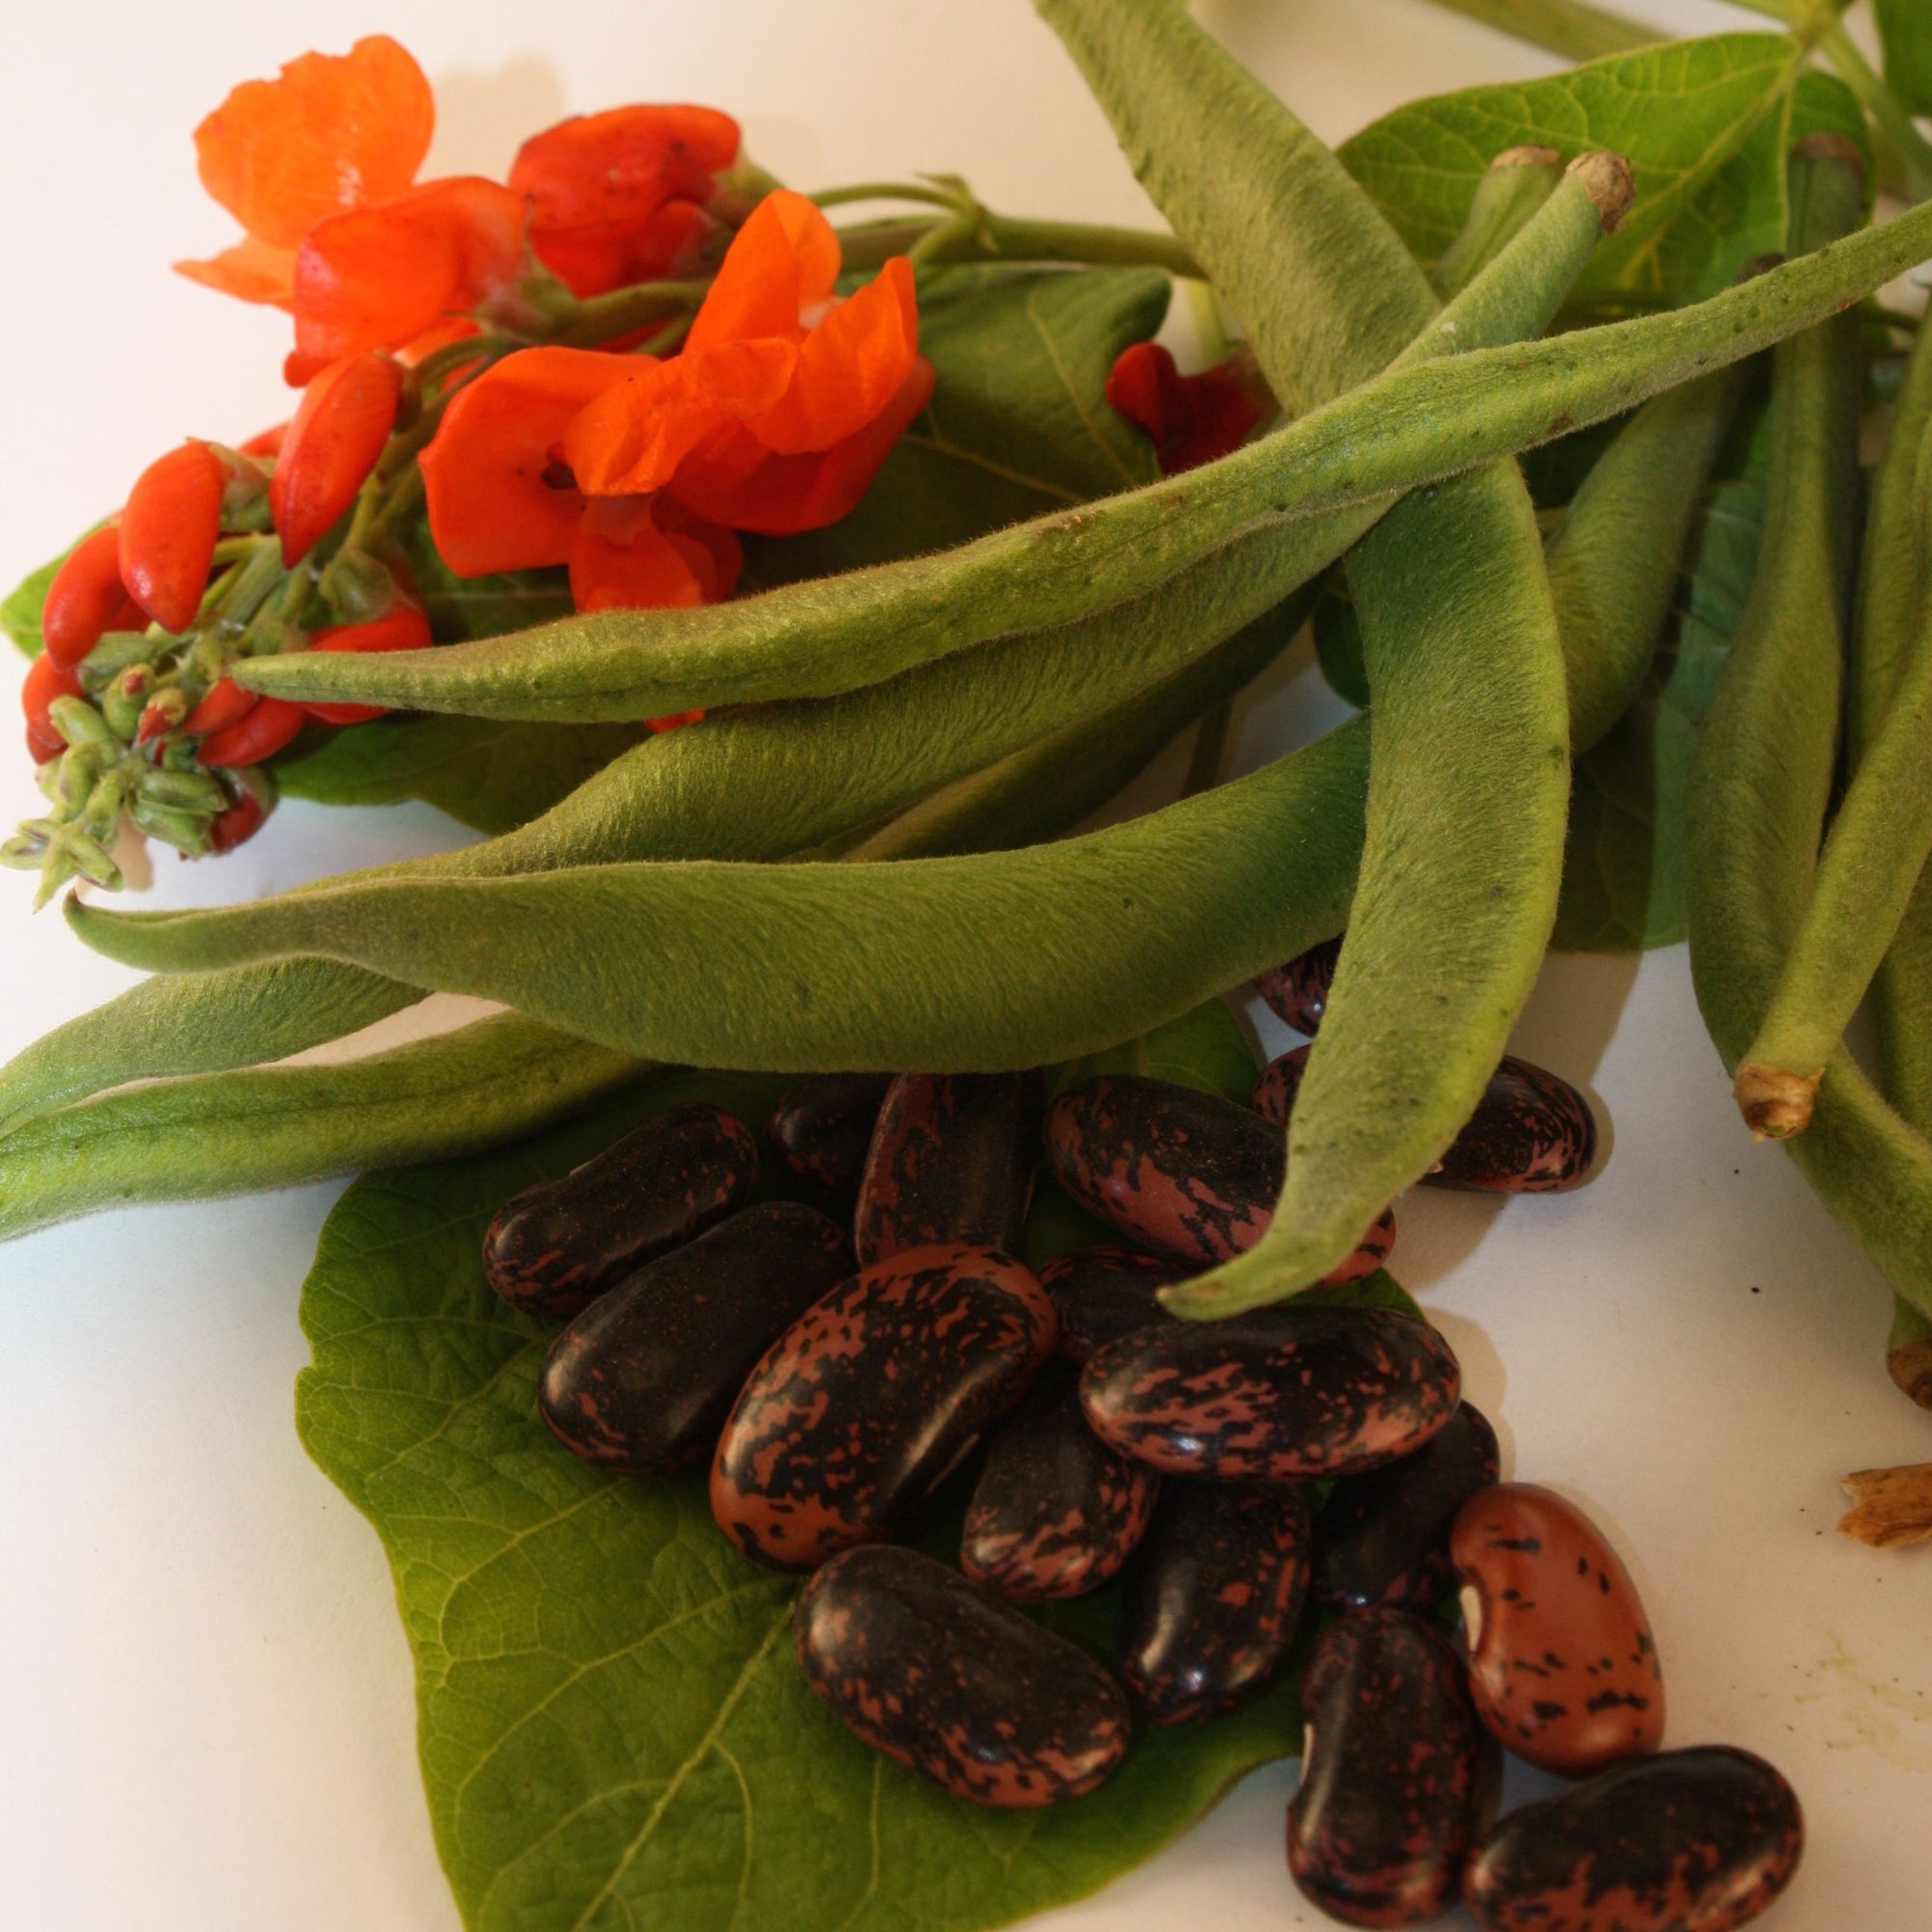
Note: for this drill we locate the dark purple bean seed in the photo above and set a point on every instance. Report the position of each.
(944, 1679)
(866, 1401)
(1392, 1779)
(1685, 1841)
(1056, 1512)
(1299, 1390)
(643, 1378)
(1531, 1133)
(1383, 1537)
(557, 1246)
(821, 1128)
(1102, 1293)
(951, 1159)
(1212, 1599)
(1189, 1174)
(1298, 992)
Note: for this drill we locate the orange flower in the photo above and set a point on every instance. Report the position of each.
(806, 394)
(500, 494)
(335, 132)
(644, 553)
(379, 277)
(620, 197)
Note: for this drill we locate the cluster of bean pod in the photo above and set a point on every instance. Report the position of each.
(834, 1359)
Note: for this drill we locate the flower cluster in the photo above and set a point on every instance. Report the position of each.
(615, 361)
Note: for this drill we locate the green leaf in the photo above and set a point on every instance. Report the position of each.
(1705, 123)
(486, 773)
(1905, 28)
(1622, 860)
(614, 1732)
(1018, 424)
(462, 608)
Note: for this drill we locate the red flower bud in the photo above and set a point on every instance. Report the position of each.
(45, 681)
(225, 704)
(403, 628)
(1193, 420)
(88, 598)
(265, 442)
(168, 532)
(270, 723)
(253, 796)
(338, 432)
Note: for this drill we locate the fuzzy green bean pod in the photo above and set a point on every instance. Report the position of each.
(1408, 428)
(228, 1133)
(195, 1023)
(1872, 861)
(1508, 192)
(1468, 771)
(1761, 781)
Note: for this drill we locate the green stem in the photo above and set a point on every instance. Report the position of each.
(1914, 152)
(921, 191)
(1566, 27)
(637, 306)
(1001, 238)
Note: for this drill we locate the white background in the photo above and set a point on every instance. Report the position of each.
(207, 1717)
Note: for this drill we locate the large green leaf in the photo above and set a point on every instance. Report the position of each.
(1622, 860)
(1018, 425)
(1706, 125)
(613, 1730)
(1905, 27)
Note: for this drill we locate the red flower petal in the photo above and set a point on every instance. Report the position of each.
(251, 271)
(339, 429)
(378, 277)
(632, 439)
(782, 263)
(602, 176)
(665, 245)
(851, 365)
(622, 561)
(500, 498)
(226, 703)
(787, 494)
(1193, 420)
(334, 132)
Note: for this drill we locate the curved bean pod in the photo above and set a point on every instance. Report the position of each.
(195, 1023)
(1760, 785)
(1469, 753)
(1410, 427)
(228, 1133)
(1513, 186)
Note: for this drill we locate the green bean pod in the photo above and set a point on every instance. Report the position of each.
(1405, 429)
(195, 1023)
(1513, 186)
(1871, 864)
(1761, 781)
(228, 1133)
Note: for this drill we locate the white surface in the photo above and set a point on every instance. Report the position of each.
(208, 1720)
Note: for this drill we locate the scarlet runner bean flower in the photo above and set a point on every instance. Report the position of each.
(47, 679)
(622, 196)
(1193, 420)
(173, 518)
(784, 401)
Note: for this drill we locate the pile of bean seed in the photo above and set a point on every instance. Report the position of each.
(1119, 1440)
